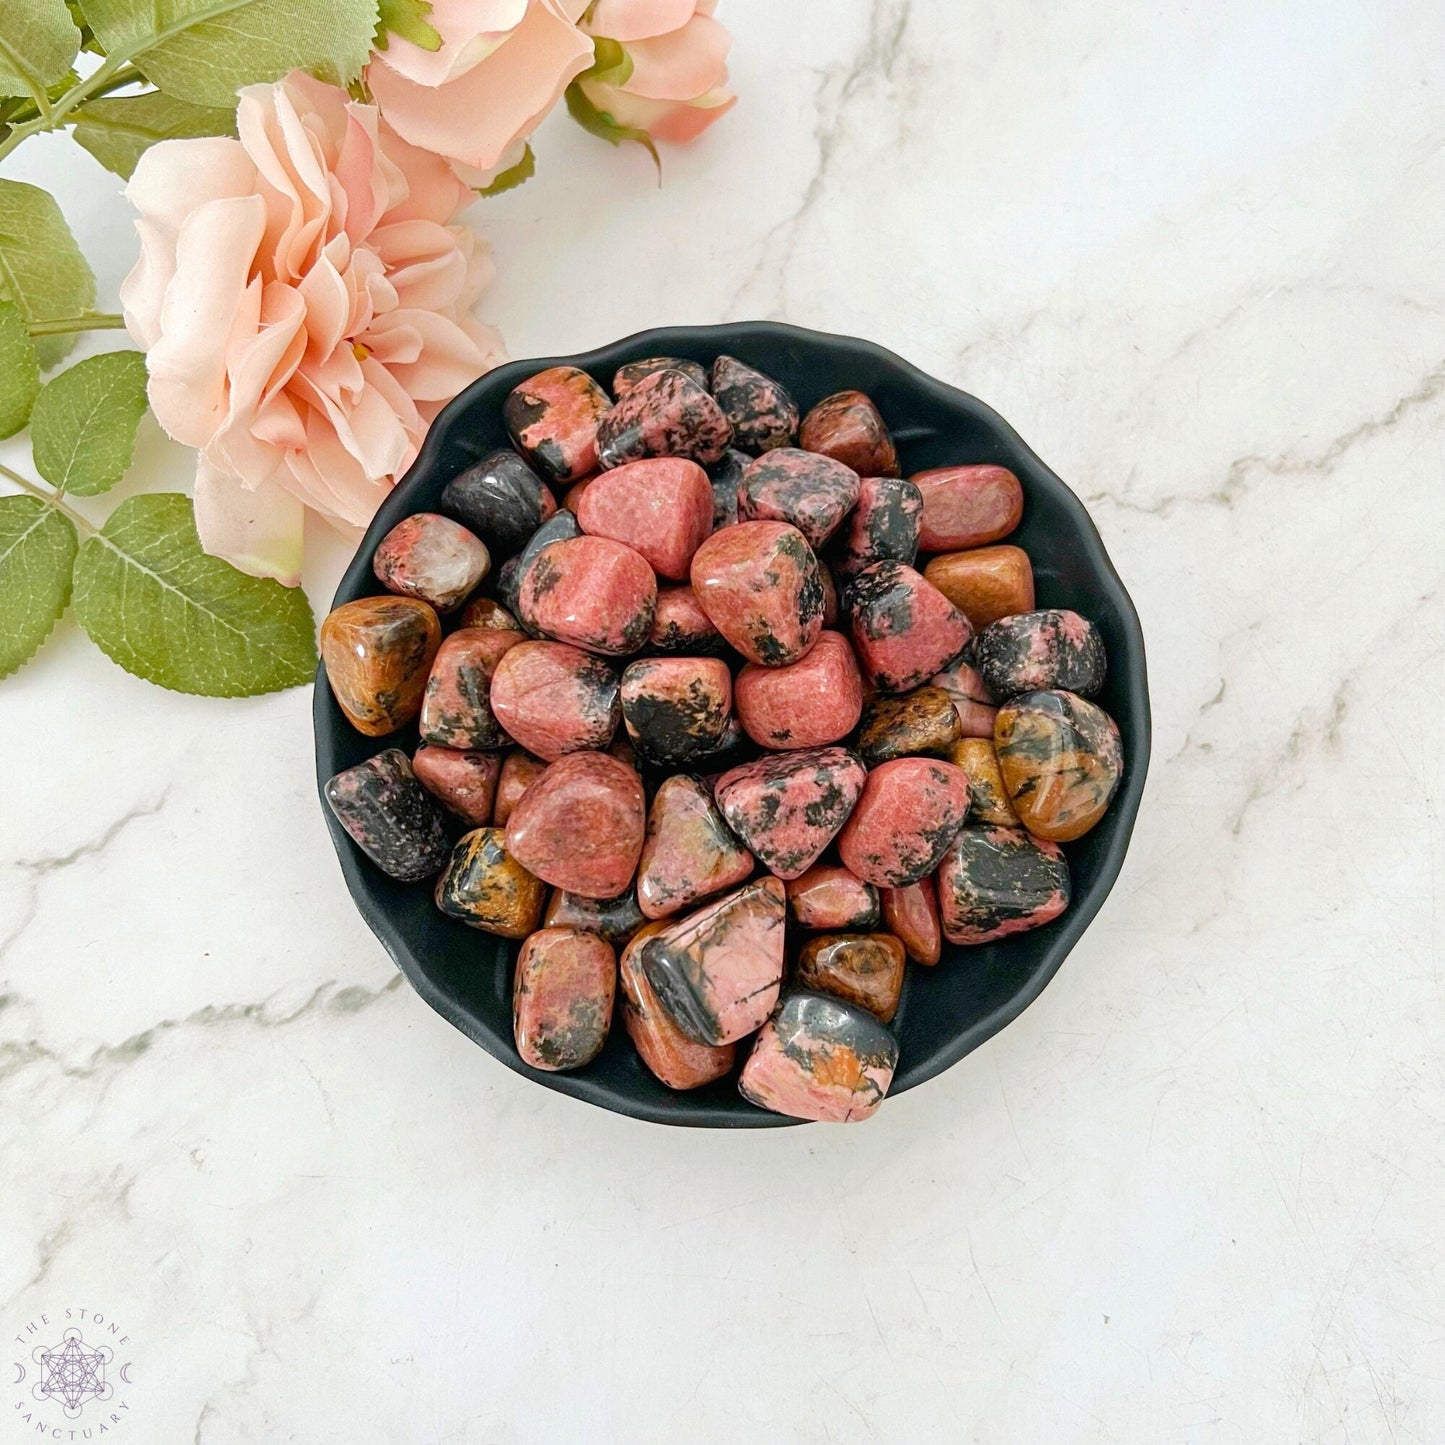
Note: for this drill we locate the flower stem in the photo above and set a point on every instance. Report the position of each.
(112, 73)
(84, 321)
(88, 529)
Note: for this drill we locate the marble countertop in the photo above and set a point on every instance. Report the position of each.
(1194, 1194)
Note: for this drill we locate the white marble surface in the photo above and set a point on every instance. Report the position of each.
(1195, 1193)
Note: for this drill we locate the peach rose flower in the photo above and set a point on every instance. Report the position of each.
(679, 73)
(502, 65)
(305, 307)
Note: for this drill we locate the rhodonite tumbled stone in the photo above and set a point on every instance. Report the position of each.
(758, 582)
(813, 493)
(725, 476)
(389, 816)
(562, 997)
(676, 709)
(432, 557)
(500, 498)
(985, 583)
(1061, 761)
(904, 629)
(907, 816)
(822, 1059)
(580, 825)
(555, 699)
(591, 592)
(717, 971)
(378, 652)
(921, 721)
(804, 704)
(830, 594)
(967, 506)
(829, 898)
(911, 915)
(689, 853)
(788, 807)
(865, 969)
(1054, 648)
(553, 419)
(997, 881)
(563, 527)
(486, 888)
(680, 625)
(883, 526)
(456, 709)
(661, 507)
(676, 1060)
(762, 414)
(615, 919)
(987, 797)
(972, 700)
(464, 781)
(519, 771)
(666, 414)
(630, 373)
(847, 426)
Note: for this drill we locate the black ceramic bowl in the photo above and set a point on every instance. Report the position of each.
(973, 992)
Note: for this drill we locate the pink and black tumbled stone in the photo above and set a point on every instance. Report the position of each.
(804, 704)
(666, 414)
(615, 919)
(562, 996)
(904, 629)
(883, 526)
(679, 625)
(829, 898)
(689, 853)
(519, 771)
(762, 413)
(456, 708)
(501, 499)
(591, 592)
(553, 420)
(717, 972)
(967, 506)
(813, 493)
(390, 816)
(661, 507)
(560, 527)
(972, 700)
(759, 583)
(554, 699)
(788, 807)
(432, 557)
(465, 782)
(726, 475)
(822, 1059)
(848, 427)
(676, 709)
(997, 881)
(908, 814)
(630, 373)
(1051, 648)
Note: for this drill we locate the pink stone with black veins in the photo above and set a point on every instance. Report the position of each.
(994, 882)
(788, 807)
(690, 853)
(904, 629)
(432, 557)
(967, 506)
(1037, 651)
(554, 699)
(759, 584)
(680, 625)
(821, 1059)
(456, 708)
(580, 826)
(591, 592)
(717, 972)
(661, 507)
(805, 704)
(830, 898)
(971, 698)
(763, 415)
(562, 995)
(677, 709)
(666, 414)
(553, 419)
(883, 526)
(465, 782)
(814, 493)
(631, 372)
(908, 814)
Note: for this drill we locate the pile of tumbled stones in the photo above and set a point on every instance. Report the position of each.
(711, 703)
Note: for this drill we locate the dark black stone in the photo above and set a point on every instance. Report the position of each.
(391, 817)
(883, 527)
(726, 475)
(501, 499)
(762, 413)
(825, 1020)
(1043, 650)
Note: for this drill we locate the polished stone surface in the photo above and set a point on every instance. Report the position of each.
(985, 583)
(865, 969)
(456, 708)
(679, 625)
(388, 815)
(501, 499)
(847, 426)
(555, 699)
(615, 919)
(463, 781)
(994, 882)
(803, 704)
(761, 412)
(485, 887)
(812, 493)
(666, 414)
(988, 800)
(628, 375)
(661, 507)
(677, 709)
(1036, 650)
(967, 506)
(882, 527)
(519, 771)
(910, 913)
(908, 812)
(921, 721)
(726, 476)
(828, 897)
(904, 630)
(377, 652)
(971, 698)
(553, 419)
(432, 557)
(689, 852)
(591, 592)
(562, 995)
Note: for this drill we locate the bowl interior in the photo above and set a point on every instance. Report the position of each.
(973, 992)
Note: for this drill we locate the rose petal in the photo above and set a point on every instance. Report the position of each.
(683, 64)
(470, 31)
(258, 529)
(638, 19)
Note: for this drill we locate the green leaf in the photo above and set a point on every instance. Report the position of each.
(407, 18)
(41, 268)
(37, 551)
(203, 50)
(19, 370)
(117, 129)
(154, 602)
(513, 176)
(599, 123)
(82, 429)
(37, 43)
